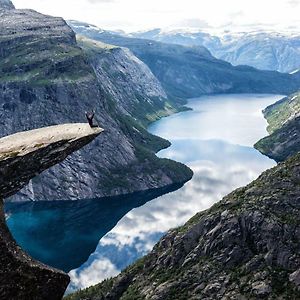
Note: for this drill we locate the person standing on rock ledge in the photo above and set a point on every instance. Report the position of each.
(90, 117)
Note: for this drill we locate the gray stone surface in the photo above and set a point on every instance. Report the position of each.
(22, 157)
(47, 79)
(25, 155)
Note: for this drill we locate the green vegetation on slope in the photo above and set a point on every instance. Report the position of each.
(280, 112)
(283, 142)
(145, 145)
(284, 127)
(117, 70)
(52, 64)
(232, 250)
(46, 77)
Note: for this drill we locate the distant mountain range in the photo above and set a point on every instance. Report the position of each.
(262, 50)
(245, 247)
(187, 72)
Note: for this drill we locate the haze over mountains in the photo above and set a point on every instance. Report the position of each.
(187, 72)
(260, 49)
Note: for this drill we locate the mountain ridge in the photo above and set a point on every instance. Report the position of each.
(6, 4)
(266, 50)
(47, 79)
(188, 72)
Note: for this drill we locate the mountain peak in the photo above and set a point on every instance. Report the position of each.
(6, 4)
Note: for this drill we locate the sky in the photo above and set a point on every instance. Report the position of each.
(207, 15)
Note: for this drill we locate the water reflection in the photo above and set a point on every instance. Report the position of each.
(63, 234)
(215, 140)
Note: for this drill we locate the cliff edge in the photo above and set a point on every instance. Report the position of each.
(22, 156)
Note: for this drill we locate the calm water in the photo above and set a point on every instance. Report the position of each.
(215, 140)
(63, 234)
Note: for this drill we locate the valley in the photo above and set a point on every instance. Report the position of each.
(188, 72)
(214, 139)
(175, 193)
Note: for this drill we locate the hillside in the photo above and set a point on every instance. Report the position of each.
(187, 72)
(244, 247)
(47, 79)
(263, 50)
(284, 125)
(128, 80)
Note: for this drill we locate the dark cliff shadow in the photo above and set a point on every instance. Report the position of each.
(23, 278)
(63, 234)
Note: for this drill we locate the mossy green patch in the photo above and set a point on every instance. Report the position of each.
(280, 112)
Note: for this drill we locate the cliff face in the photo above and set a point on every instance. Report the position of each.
(245, 247)
(47, 79)
(187, 72)
(128, 80)
(22, 157)
(284, 125)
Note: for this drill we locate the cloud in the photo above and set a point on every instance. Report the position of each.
(293, 3)
(132, 15)
(236, 14)
(97, 271)
(100, 1)
(193, 23)
(220, 167)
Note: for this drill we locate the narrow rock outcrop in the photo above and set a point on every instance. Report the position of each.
(22, 157)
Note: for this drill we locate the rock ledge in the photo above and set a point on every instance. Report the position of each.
(23, 156)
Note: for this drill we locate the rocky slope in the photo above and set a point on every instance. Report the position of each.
(284, 125)
(128, 80)
(22, 157)
(247, 246)
(263, 50)
(187, 72)
(47, 79)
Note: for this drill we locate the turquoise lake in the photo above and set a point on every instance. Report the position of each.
(96, 239)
